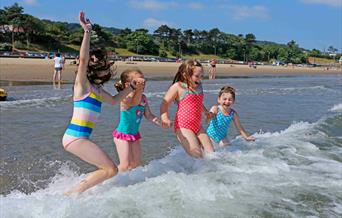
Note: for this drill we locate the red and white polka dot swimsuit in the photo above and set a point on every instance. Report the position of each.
(189, 112)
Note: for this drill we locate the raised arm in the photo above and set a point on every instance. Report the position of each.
(240, 129)
(82, 85)
(150, 116)
(169, 97)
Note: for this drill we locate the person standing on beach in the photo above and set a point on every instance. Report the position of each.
(187, 91)
(212, 69)
(58, 68)
(88, 94)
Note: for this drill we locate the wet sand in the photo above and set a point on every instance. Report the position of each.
(24, 69)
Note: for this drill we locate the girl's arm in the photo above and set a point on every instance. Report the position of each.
(82, 85)
(169, 97)
(136, 97)
(115, 99)
(240, 129)
(208, 114)
(150, 116)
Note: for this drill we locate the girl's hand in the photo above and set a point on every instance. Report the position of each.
(138, 84)
(250, 138)
(209, 115)
(85, 23)
(166, 122)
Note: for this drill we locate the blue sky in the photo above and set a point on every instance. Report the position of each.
(311, 23)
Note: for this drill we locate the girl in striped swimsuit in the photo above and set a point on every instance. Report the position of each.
(188, 93)
(93, 71)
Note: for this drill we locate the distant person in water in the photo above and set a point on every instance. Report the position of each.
(219, 125)
(212, 69)
(88, 94)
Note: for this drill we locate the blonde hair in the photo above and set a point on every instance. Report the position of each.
(126, 76)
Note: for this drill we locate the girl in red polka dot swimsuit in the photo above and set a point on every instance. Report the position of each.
(188, 93)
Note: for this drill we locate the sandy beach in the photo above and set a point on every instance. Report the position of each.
(24, 69)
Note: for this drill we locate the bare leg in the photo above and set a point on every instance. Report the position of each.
(205, 141)
(54, 75)
(59, 75)
(91, 153)
(136, 154)
(224, 142)
(214, 73)
(189, 141)
(123, 149)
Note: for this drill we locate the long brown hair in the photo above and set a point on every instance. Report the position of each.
(185, 71)
(98, 61)
(126, 77)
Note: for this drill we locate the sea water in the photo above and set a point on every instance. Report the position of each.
(293, 169)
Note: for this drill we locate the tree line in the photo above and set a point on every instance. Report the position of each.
(31, 33)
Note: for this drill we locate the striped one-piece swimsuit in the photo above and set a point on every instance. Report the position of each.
(86, 112)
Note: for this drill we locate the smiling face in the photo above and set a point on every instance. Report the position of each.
(226, 100)
(197, 76)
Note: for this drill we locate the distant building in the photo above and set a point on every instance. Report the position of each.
(9, 28)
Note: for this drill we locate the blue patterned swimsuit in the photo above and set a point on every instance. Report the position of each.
(219, 125)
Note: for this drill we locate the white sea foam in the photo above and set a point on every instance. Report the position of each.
(336, 108)
(280, 174)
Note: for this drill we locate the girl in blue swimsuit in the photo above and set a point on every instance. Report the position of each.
(219, 125)
(127, 135)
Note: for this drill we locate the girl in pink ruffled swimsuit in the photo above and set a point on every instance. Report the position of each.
(188, 93)
(127, 135)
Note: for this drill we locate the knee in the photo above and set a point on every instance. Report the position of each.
(111, 171)
(195, 152)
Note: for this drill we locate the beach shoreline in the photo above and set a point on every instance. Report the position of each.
(41, 70)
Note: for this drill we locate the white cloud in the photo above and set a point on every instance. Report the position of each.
(333, 3)
(31, 2)
(152, 4)
(195, 5)
(154, 23)
(244, 12)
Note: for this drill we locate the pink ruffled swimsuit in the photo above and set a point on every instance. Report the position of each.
(189, 112)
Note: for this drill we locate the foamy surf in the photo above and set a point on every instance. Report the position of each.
(336, 108)
(287, 173)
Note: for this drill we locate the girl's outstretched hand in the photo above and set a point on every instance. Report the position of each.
(250, 138)
(85, 23)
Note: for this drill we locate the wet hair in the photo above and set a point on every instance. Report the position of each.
(185, 71)
(126, 77)
(227, 89)
(98, 62)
